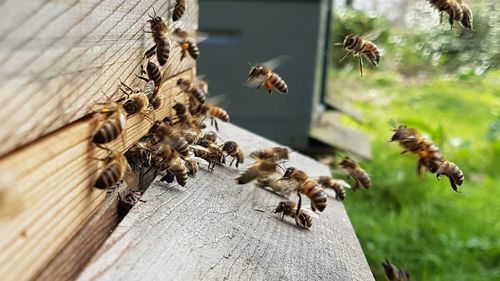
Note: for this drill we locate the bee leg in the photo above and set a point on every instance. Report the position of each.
(299, 205)
(348, 55)
(150, 52)
(142, 78)
(356, 184)
(231, 164)
(420, 166)
(360, 65)
(450, 20)
(453, 185)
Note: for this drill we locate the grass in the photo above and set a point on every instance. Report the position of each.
(419, 222)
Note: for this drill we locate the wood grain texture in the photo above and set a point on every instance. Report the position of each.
(214, 229)
(57, 58)
(49, 193)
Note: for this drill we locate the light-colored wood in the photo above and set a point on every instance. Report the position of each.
(58, 58)
(329, 130)
(49, 194)
(337, 103)
(214, 229)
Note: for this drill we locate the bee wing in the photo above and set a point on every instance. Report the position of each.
(219, 100)
(343, 183)
(253, 83)
(149, 89)
(199, 148)
(309, 213)
(198, 160)
(275, 62)
(201, 36)
(372, 35)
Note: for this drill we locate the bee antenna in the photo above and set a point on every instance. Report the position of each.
(154, 11)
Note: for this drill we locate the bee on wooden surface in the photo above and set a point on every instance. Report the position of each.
(192, 89)
(211, 153)
(307, 186)
(140, 158)
(337, 185)
(153, 73)
(136, 101)
(179, 9)
(457, 10)
(260, 168)
(263, 75)
(166, 159)
(159, 31)
(274, 153)
(187, 44)
(360, 176)
(453, 172)
(303, 217)
(281, 188)
(207, 139)
(183, 114)
(394, 273)
(167, 134)
(361, 46)
(113, 125)
(127, 202)
(233, 149)
(115, 166)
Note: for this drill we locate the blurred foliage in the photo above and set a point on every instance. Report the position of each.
(428, 46)
(419, 222)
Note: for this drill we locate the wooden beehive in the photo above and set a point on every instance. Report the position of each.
(57, 59)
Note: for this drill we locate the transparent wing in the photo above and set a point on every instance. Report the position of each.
(343, 183)
(149, 89)
(219, 100)
(196, 159)
(372, 35)
(275, 62)
(309, 213)
(199, 148)
(253, 83)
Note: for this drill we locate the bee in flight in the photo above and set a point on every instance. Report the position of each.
(453, 172)
(263, 75)
(457, 10)
(361, 46)
(188, 43)
(358, 174)
(337, 185)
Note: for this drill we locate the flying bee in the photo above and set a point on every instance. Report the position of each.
(453, 172)
(113, 125)
(214, 112)
(192, 89)
(337, 185)
(274, 153)
(233, 149)
(457, 10)
(428, 156)
(361, 46)
(263, 75)
(408, 138)
(281, 188)
(307, 186)
(360, 176)
(260, 168)
(179, 9)
(115, 166)
(159, 31)
(188, 45)
(303, 217)
(394, 273)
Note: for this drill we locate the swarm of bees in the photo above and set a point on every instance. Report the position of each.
(429, 157)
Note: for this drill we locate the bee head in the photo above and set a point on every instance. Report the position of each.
(255, 71)
(288, 173)
(282, 206)
(348, 163)
(229, 146)
(349, 41)
(179, 108)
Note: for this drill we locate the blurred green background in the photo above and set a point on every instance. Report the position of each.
(445, 83)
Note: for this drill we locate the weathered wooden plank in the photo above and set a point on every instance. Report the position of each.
(58, 58)
(216, 230)
(48, 198)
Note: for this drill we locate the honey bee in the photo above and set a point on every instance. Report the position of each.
(233, 149)
(167, 134)
(166, 159)
(453, 172)
(282, 188)
(361, 46)
(188, 46)
(307, 186)
(159, 31)
(183, 114)
(408, 138)
(263, 75)
(194, 91)
(428, 156)
(126, 203)
(394, 273)
(260, 168)
(211, 153)
(214, 112)
(337, 185)
(303, 217)
(115, 166)
(136, 101)
(274, 153)
(179, 9)
(360, 176)
(208, 139)
(114, 124)
(457, 10)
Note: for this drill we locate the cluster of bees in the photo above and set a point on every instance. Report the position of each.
(362, 45)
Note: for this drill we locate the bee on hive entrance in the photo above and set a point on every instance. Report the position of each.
(263, 75)
(159, 31)
(361, 46)
(307, 186)
(179, 9)
(112, 126)
(303, 217)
